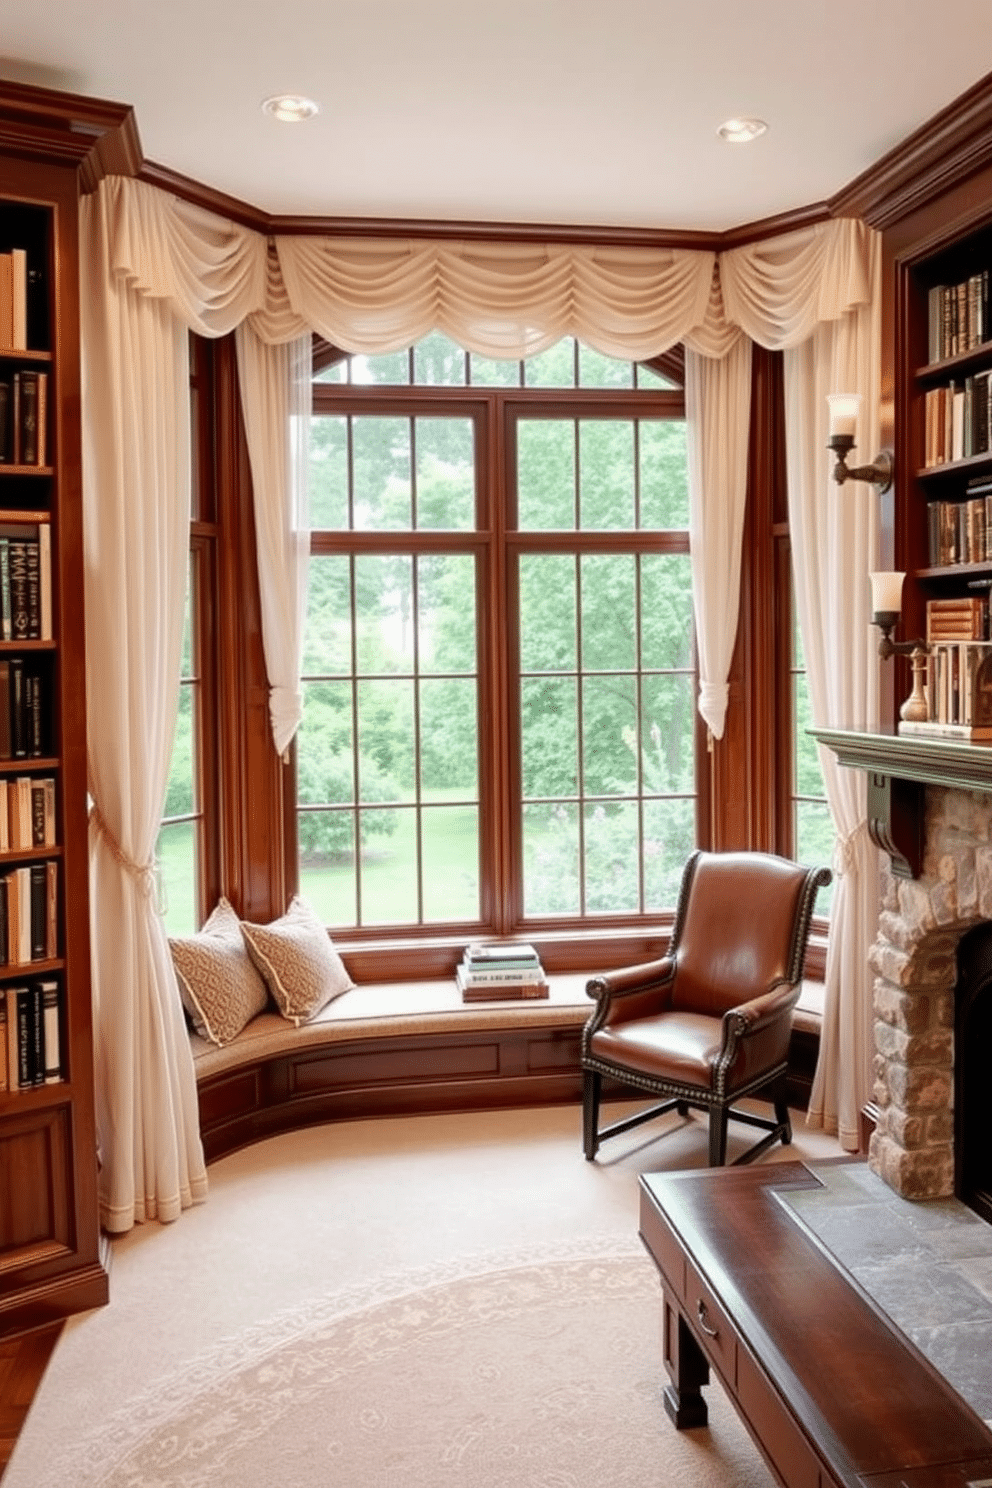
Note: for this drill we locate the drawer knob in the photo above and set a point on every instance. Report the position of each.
(702, 1319)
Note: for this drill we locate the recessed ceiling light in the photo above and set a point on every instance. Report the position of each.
(290, 108)
(741, 131)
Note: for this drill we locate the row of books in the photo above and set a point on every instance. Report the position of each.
(959, 691)
(29, 927)
(26, 582)
(14, 300)
(500, 972)
(24, 419)
(960, 531)
(962, 618)
(30, 1035)
(959, 318)
(24, 715)
(27, 812)
(957, 420)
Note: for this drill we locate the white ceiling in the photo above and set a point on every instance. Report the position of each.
(601, 112)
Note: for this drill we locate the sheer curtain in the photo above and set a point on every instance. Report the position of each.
(136, 546)
(834, 540)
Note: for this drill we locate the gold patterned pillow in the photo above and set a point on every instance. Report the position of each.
(219, 986)
(295, 955)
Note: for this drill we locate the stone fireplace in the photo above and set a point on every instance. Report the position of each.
(914, 959)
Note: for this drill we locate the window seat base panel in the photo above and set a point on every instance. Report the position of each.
(393, 1049)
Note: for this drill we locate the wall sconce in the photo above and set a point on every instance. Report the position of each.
(886, 604)
(843, 425)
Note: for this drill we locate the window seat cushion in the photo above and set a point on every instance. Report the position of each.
(382, 1010)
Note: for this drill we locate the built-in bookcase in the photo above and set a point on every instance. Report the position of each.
(944, 454)
(49, 1233)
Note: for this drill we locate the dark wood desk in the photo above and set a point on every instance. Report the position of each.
(830, 1391)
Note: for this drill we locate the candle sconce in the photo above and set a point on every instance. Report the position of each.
(886, 603)
(843, 423)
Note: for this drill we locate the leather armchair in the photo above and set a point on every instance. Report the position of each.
(708, 1023)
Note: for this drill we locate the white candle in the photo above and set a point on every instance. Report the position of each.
(844, 413)
(886, 593)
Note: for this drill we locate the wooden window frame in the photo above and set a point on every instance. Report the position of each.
(566, 943)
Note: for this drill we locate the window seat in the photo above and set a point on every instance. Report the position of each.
(402, 1048)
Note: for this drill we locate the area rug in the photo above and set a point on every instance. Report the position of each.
(545, 1374)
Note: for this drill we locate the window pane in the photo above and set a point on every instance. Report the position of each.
(668, 734)
(609, 710)
(547, 613)
(647, 377)
(176, 855)
(545, 474)
(392, 369)
(389, 868)
(550, 738)
(445, 474)
(486, 372)
(325, 763)
(551, 860)
(382, 495)
(815, 838)
(612, 858)
(598, 371)
(329, 473)
(438, 362)
(606, 474)
(808, 775)
(449, 745)
(446, 612)
(181, 793)
(451, 862)
(385, 741)
(666, 610)
(336, 372)
(327, 635)
(384, 601)
(186, 667)
(327, 864)
(669, 838)
(609, 637)
(664, 474)
(552, 368)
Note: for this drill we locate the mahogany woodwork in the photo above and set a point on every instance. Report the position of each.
(829, 1390)
(50, 1257)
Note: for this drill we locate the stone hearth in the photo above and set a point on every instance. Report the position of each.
(914, 960)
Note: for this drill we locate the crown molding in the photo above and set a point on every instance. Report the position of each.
(444, 230)
(96, 137)
(943, 152)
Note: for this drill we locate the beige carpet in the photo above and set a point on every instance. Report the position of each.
(445, 1300)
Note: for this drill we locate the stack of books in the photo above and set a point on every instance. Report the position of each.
(497, 973)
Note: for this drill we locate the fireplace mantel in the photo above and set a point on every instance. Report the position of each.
(898, 766)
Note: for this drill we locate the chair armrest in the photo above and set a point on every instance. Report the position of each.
(756, 1033)
(751, 1017)
(631, 979)
(634, 992)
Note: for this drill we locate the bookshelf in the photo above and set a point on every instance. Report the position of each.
(941, 273)
(50, 1248)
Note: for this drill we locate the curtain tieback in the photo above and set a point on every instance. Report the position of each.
(144, 874)
(844, 854)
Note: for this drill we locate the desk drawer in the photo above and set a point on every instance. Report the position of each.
(710, 1324)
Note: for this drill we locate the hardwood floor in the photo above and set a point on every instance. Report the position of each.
(23, 1361)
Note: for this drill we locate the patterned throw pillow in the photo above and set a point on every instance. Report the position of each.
(301, 968)
(220, 988)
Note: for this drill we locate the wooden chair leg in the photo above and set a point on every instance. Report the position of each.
(591, 1087)
(718, 1136)
(783, 1118)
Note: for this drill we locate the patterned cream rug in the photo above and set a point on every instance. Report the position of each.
(544, 1374)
